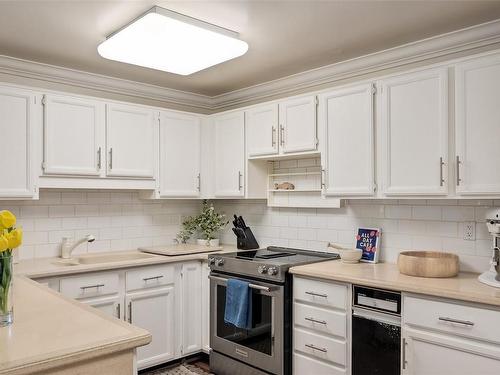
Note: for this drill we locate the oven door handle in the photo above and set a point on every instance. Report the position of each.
(253, 286)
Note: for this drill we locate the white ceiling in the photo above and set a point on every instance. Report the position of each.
(285, 37)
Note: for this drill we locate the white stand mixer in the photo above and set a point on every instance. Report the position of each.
(492, 277)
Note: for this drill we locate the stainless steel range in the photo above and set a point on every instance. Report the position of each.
(266, 347)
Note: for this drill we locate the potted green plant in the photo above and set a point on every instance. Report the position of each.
(189, 226)
(209, 223)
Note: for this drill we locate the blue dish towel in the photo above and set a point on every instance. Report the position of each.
(238, 304)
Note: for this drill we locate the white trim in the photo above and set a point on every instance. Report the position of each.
(440, 46)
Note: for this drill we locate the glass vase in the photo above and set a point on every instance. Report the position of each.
(6, 308)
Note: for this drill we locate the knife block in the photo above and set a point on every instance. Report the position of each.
(248, 242)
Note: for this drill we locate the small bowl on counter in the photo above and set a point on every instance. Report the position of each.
(347, 255)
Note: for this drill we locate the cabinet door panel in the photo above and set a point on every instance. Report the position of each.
(414, 115)
(73, 137)
(478, 125)
(432, 354)
(130, 133)
(179, 155)
(16, 126)
(298, 119)
(205, 300)
(155, 312)
(191, 307)
(262, 130)
(229, 155)
(109, 305)
(347, 118)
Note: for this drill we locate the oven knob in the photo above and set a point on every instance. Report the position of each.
(262, 269)
(219, 262)
(272, 271)
(211, 261)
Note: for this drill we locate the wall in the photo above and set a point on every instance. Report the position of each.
(118, 219)
(406, 224)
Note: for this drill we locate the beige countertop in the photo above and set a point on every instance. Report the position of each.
(463, 287)
(46, 332)
(50, 267)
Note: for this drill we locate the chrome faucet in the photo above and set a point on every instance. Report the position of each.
(67, 245)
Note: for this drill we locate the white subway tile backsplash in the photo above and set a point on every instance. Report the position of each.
(426, 213)
(457, 213)
(61, 211)
(47, 224)
(398, 212)
(33, 211)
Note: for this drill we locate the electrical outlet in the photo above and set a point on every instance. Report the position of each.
(469, 228)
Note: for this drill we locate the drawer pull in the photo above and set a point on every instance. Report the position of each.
(317, 294)
(450, 320)
(404, 353)
(118, 311)
(146, 279)
(314, 347)
(315, 321)
(97, 286)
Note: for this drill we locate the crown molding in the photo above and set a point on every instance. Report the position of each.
(440, 46)
(61, 75)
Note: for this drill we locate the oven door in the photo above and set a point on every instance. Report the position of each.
(260, 346)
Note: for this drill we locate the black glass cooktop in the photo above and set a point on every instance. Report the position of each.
(281, 255)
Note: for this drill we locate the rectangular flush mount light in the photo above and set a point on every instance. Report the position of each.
(169, 41)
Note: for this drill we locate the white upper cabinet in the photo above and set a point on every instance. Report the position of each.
(346, 118)
(229, 155)
(477, 118)
(130, 139)
(17, 120)
(414, 133)
(298, 131)
(73, 136)
(180, 174)
(262, 130)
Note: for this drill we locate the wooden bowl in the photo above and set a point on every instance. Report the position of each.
(428, 264)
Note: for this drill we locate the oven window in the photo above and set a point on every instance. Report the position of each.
(259, 337)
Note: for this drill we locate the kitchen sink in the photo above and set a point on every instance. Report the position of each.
(107, 258)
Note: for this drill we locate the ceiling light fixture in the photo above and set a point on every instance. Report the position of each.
(172, 42)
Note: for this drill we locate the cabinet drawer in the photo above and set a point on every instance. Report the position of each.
(454, 318)
(320, 347)
(304, 365)
(320, 320)
(150, 277)
(91, 285)
(320, 293)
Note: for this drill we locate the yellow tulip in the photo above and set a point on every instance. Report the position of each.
(7, 219)
(4, 243)
(15, 238)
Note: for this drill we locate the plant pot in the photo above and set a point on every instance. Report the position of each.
(202, 242)
(214, 242)
(6, 309)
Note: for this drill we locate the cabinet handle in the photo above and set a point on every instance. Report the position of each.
(239, 181)
(317, 294)
(146, 279)
(282, 135)
(118, 311)
(99, 159)
(322, 180)
(314, 347)
(130, 312)
(441, 179)
(97, 286)
(458, 171)
(315, 320)
(273, 136)
(111, 158)
(450, 320)
(404, 354)
(199, 182)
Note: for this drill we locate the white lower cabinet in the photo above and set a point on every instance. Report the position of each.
(321, 333)
(205, 307)
(154, 310)
(449, 337)
(169, 300)
(429, 353)
(191, 307)
(109, 305)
